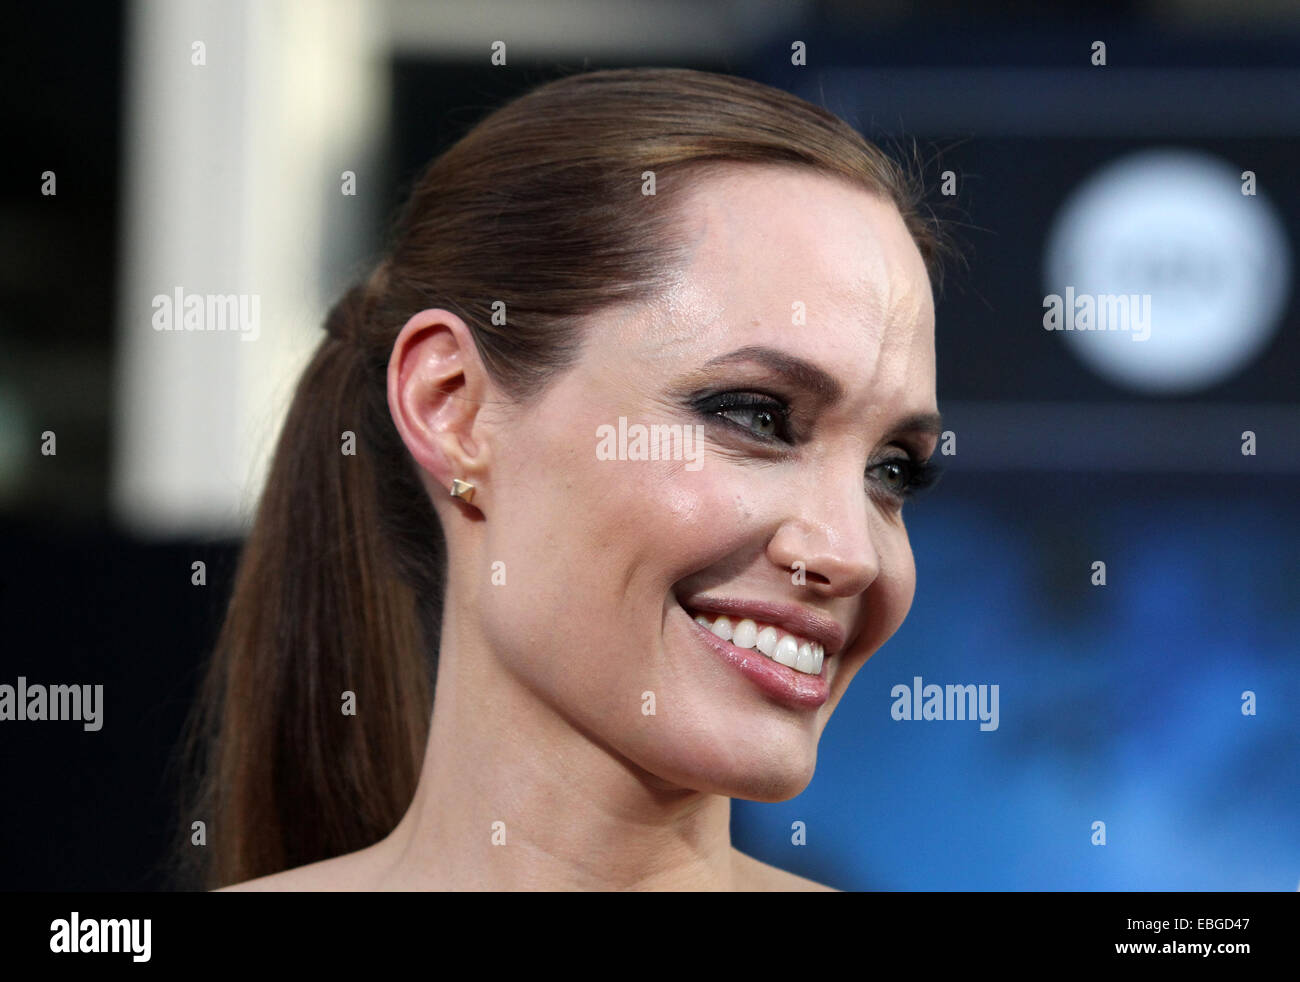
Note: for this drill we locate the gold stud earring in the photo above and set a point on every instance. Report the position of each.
(462, 490)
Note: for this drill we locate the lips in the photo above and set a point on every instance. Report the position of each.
(804, 624)
(786, 684)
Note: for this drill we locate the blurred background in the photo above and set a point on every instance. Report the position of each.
(159, 144)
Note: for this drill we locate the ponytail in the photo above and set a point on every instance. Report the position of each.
(316, 703)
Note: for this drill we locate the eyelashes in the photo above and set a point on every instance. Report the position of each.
(767, 419)
(917, 475)
(761, 409)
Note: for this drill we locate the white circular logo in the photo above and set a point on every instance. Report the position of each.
(1166, 243)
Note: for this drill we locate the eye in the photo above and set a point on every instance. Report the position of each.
(895, 474)
(760, 415)
(766, 419)
(904, 476)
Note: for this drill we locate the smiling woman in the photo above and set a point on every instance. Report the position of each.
(620, 646)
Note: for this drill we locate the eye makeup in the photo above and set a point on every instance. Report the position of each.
(769, 420)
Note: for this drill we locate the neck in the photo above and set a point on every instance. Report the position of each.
(512, 796)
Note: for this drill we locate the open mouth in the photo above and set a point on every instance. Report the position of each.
(772, 642)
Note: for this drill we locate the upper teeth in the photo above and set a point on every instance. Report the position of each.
(789, 649)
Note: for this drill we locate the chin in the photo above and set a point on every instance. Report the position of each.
(769, 787)
(753, 776)
(765, 784)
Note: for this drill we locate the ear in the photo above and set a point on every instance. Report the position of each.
(436, 387)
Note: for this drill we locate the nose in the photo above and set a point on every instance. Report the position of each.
(828, 530)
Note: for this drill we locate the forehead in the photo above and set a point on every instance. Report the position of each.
(791, 258)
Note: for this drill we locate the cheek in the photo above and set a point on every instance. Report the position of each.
(885, 606)
(609, 537)
(891, 595)
(902, 581)
(688, 521)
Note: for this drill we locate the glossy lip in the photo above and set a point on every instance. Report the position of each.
(780, 682)
(790, 618)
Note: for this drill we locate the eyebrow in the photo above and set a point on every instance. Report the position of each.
(816, 380)
(803, 373)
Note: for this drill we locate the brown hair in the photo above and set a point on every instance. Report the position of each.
(340, 583)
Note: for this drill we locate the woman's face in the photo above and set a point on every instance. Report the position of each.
(799, 340)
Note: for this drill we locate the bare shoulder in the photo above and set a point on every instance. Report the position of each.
(357, 871)
(347, 872)
(757, 876)
(289, 881)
